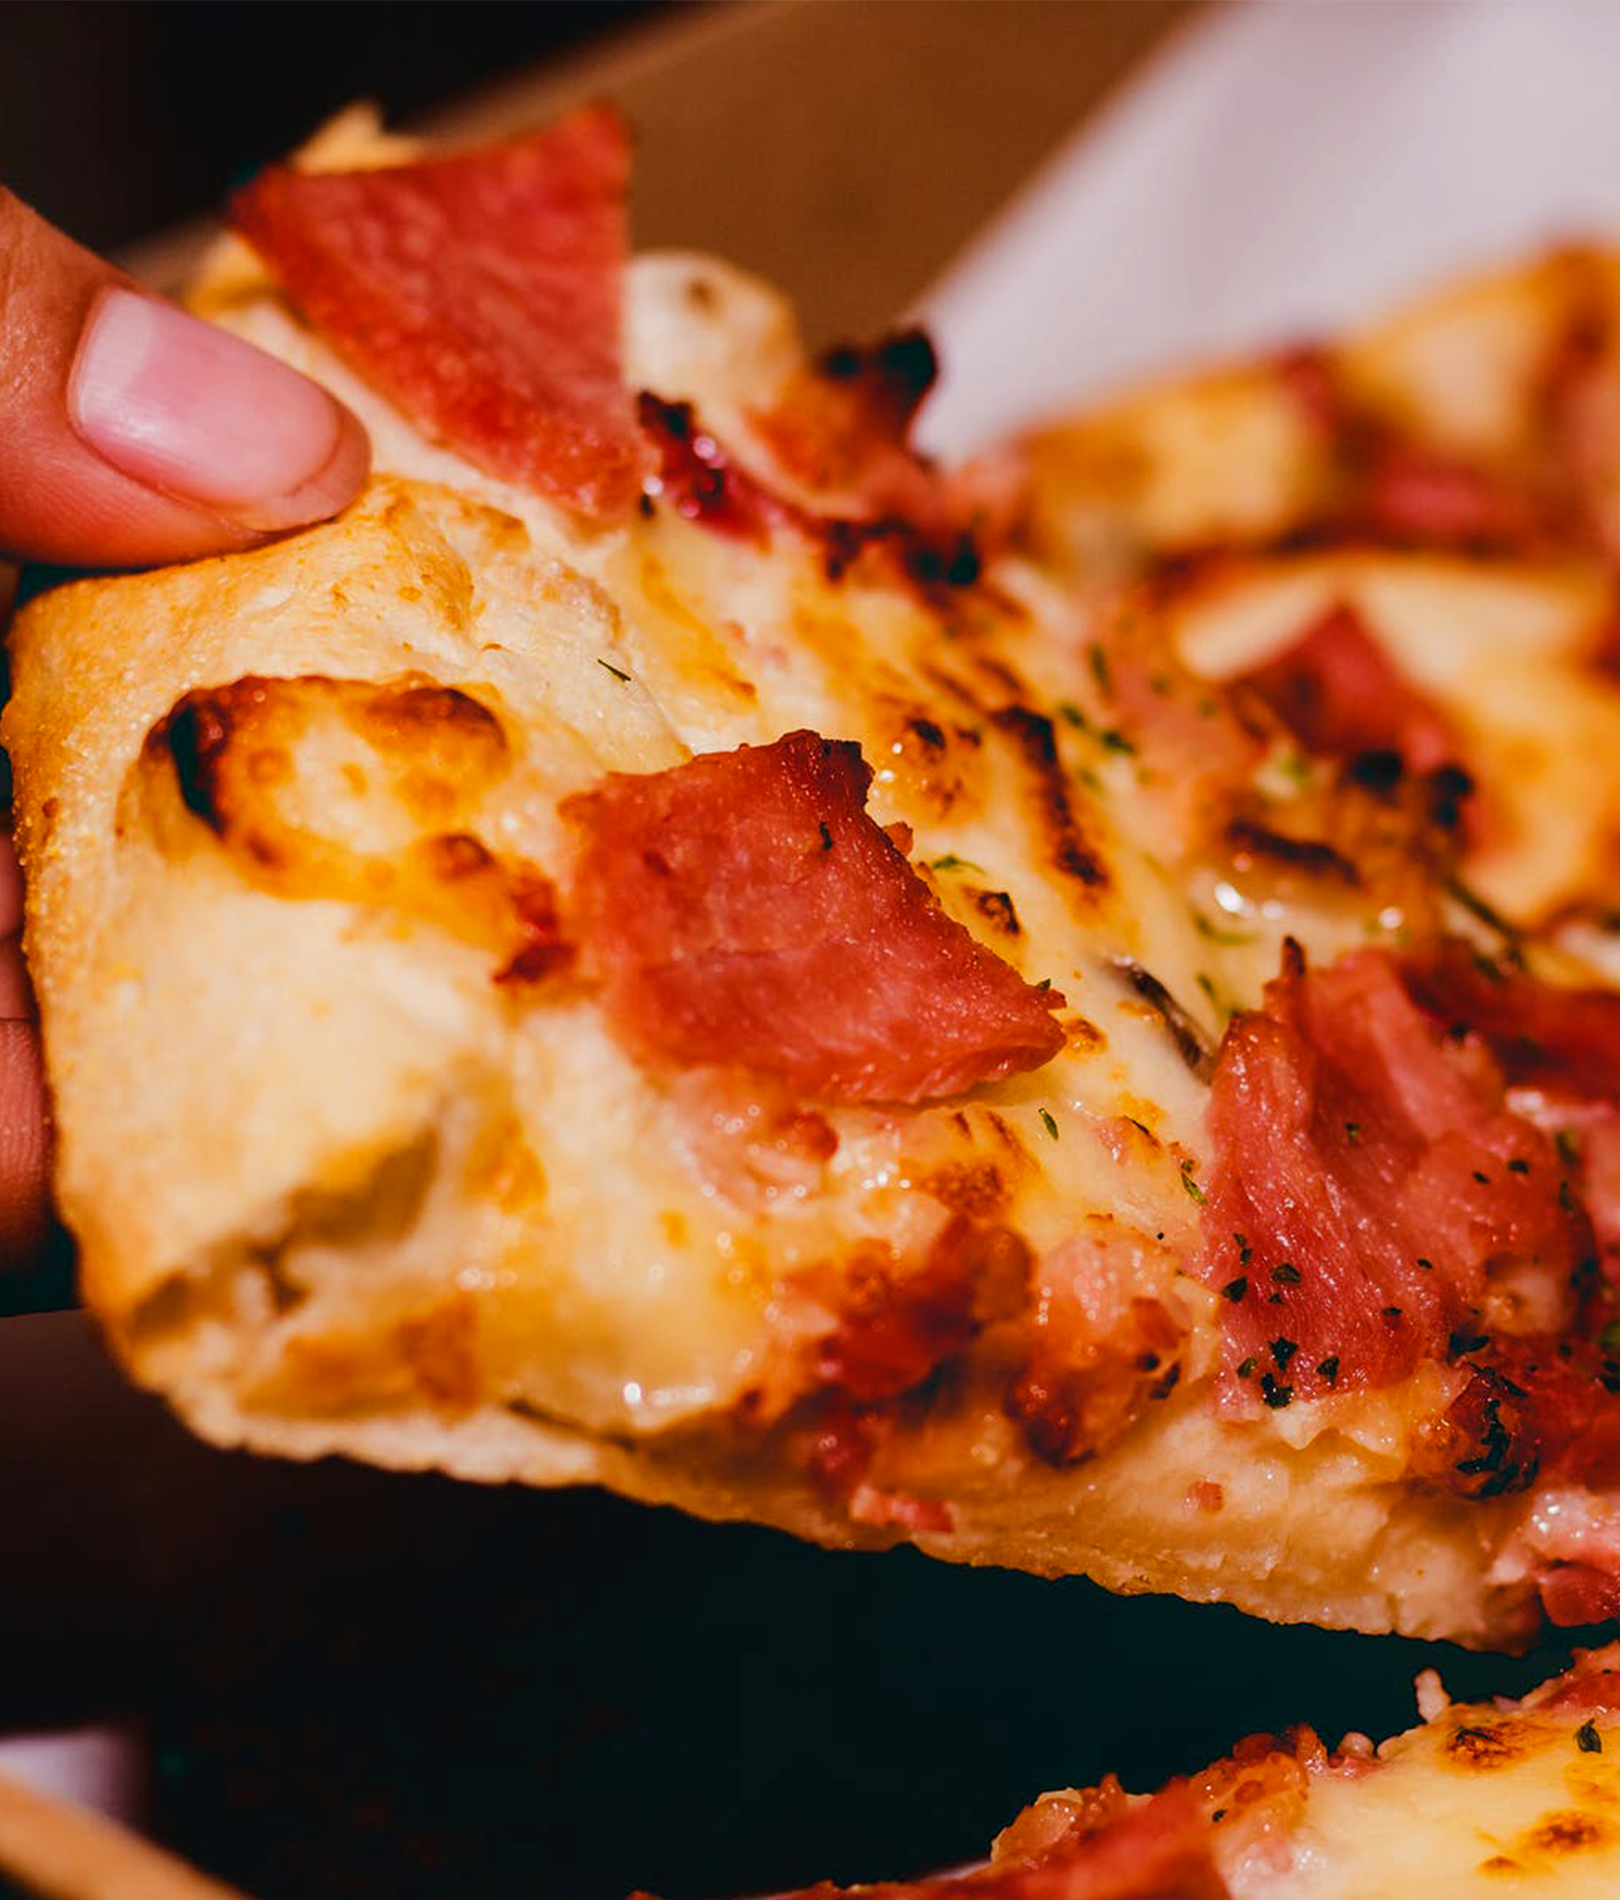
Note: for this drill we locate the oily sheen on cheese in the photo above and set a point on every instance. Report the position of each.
(766, 994)
(1479, 1799)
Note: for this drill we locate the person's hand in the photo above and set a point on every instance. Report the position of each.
(130, 434)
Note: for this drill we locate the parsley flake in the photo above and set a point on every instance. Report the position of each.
(951, 862)
(1190, 1184)
(1048, 1123)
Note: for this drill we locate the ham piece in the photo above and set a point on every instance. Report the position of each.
(481, 294)
(743, 910)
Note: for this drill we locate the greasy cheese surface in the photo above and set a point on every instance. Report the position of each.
(1479, 1802)
(339, 1189)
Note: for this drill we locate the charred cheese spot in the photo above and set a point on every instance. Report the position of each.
(934, 762)
(974, 1188)
(320, 789)
(1568, 1831)
(1067, 848)
(1489, 1745)
(996, 908)
(440, 1346)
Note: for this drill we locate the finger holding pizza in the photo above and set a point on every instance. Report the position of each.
(134, 434)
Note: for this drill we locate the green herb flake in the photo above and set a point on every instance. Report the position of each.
(1190, 1184)
(1227, 939)
(951, 862)
(1588, 1740)
(608, 667)
(1049, 1123)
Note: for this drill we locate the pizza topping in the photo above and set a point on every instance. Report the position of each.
(1340, 694)
(480, 293)
(1100, 1846)
(696, 476)
(840, 428)
(744, 910)
(1354, 1217)
(1105, 1337)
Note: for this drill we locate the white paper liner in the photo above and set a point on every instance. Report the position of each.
(1281, 168)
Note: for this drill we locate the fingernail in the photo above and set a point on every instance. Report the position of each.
(192, 410)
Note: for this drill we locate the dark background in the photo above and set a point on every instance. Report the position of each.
(121, 118)
(354, 1683)
(357, 1683)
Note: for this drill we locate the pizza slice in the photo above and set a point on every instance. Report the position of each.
(677, 945)
(1479, 1799)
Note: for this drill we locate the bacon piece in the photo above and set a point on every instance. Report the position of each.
(841, 428)
(1546, 1407)
(896, 1326)
(1367, 1175)
(702, 482)
(1557, 1046)
(480, 293)
(1562, 1041)
(743, 909)
(1340, 694)
(1105, 1340)
(1592, 1685)
(1576, 1594)
(1413, 496)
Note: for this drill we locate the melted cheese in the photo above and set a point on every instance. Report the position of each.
(1478, 1803)
(404, 1187)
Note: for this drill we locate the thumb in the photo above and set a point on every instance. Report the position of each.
(132, 433)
